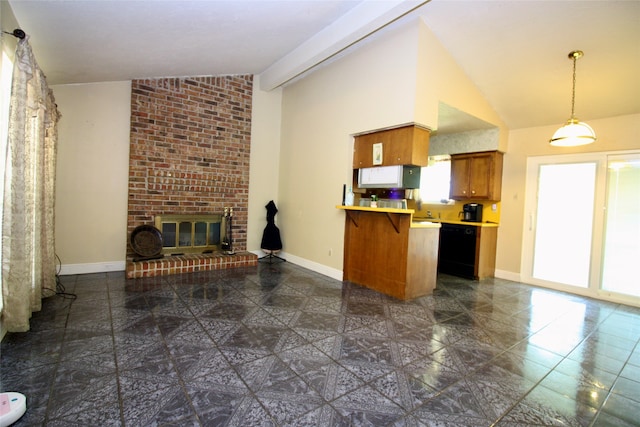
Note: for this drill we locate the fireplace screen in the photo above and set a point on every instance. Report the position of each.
(190, 233)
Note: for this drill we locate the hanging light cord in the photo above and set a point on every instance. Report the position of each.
(573, 95)
(573, 132)
(574, 55)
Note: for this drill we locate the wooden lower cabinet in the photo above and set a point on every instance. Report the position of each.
(384, 252)
(486, 247)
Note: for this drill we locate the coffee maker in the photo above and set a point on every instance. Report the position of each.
(472, 212)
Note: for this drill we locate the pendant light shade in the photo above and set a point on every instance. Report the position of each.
(574, 132)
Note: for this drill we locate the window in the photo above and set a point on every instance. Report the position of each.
(6, 74)
(435, 179)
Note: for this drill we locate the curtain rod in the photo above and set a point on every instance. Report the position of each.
(16, 33)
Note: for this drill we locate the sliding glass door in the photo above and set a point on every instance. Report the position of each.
(564, 223)
(622, 227)
(583, 224)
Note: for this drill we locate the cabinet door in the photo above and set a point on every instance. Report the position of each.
(486, 249)
(480, 168)
(459, 187)
(401, 146)
(476, 176)
(396, 148)
(362, 153)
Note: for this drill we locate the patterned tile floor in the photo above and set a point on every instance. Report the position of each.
(279, 345)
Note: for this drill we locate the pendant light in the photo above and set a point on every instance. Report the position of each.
(574, 132)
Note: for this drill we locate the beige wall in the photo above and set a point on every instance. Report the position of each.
(92, 176)
(444, 81)
(615, 133)
(398, 78)
(9, 23)
(301, 150)
(372, 87)
(93, 167)
(265, 160)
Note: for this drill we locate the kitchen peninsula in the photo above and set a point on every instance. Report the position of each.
(385, 250)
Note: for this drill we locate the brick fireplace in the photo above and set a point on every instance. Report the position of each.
(189, 155)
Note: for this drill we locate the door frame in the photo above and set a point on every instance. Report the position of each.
(598, 228)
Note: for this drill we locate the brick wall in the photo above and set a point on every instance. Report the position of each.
(190, 146)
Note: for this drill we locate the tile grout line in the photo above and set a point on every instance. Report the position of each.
(493, 355)
(183, 386)
(610, 391)
(538, 383)
(57, 363)
(215, 344)
(115, 355)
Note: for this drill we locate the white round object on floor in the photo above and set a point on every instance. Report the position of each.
(12, 406)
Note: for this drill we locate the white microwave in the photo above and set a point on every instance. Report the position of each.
(389, 177)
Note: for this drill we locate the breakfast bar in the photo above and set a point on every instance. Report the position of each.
(385, 250)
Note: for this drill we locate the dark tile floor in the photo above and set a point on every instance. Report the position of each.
(279, 345)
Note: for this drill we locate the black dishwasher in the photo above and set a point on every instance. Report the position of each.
(457, 254)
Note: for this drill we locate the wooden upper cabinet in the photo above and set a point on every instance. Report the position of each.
(408, 145)
(476, 176)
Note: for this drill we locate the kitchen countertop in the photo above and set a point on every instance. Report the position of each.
(415, 222)
(368, 209)
(450, 221)
(424, 224)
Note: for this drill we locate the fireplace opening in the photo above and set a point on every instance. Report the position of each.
(189, 234)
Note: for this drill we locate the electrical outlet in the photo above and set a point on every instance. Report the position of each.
(330, 252)
(494, 207)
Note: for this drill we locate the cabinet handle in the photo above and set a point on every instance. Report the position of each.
(473, 191)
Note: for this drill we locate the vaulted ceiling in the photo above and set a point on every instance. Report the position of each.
(514, 51)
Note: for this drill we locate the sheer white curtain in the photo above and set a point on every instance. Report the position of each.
(28, 249)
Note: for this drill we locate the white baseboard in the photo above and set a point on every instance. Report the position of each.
(508, 275)
(97, 267)
(314, 266)
(311, 265)
(105, 267)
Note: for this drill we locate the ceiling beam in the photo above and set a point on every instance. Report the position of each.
(357, 24)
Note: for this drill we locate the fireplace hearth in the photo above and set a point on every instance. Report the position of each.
(189, 263)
